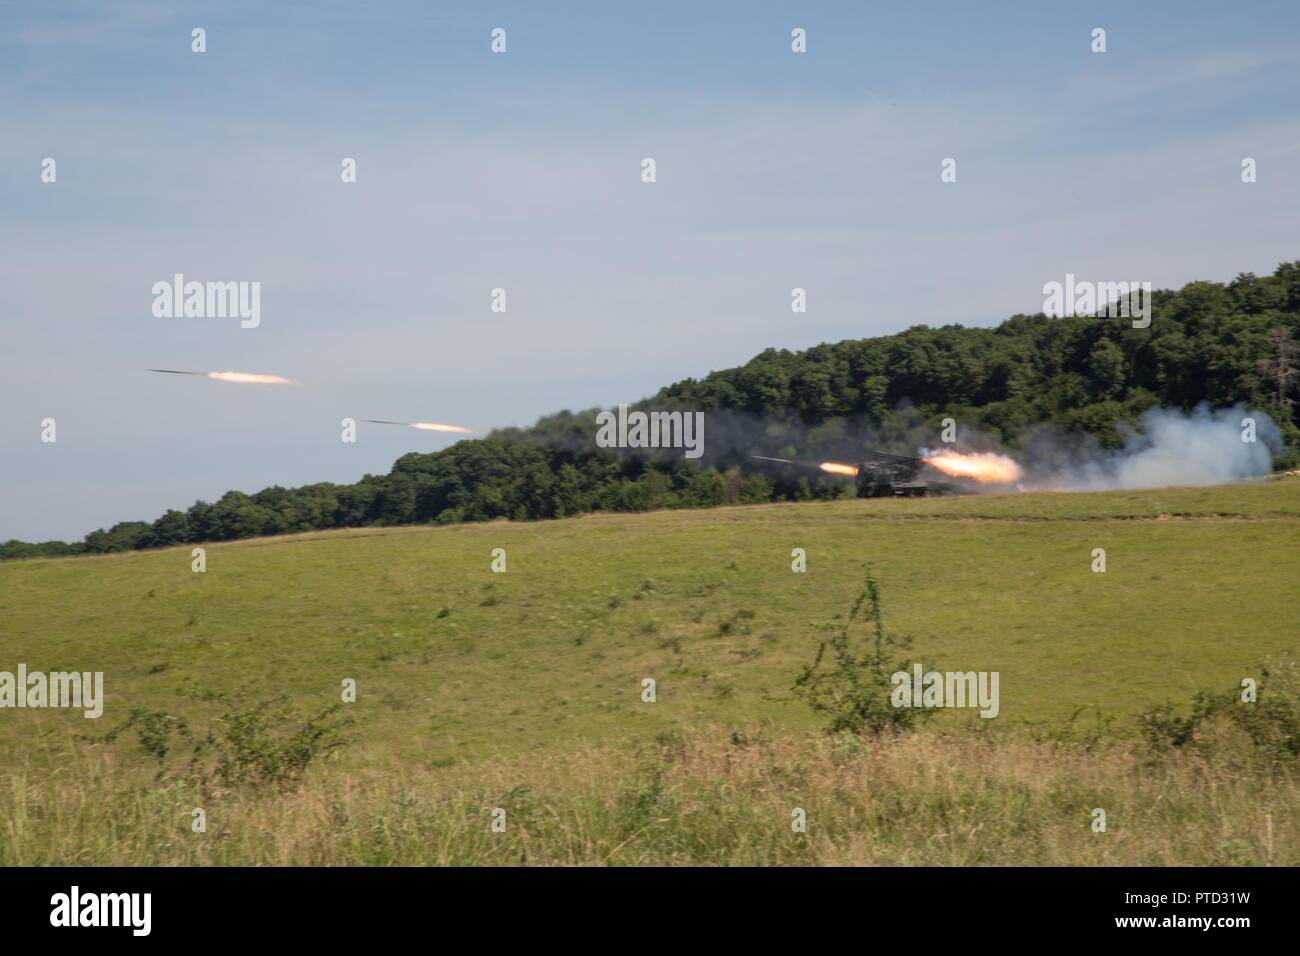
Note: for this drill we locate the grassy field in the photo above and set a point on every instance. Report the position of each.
(473, 685)
(708, 800)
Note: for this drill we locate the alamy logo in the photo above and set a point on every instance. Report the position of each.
(1109, 299)
(651, 430)
(208, 300)
(951, 689)
(56, 689)
(103, 909)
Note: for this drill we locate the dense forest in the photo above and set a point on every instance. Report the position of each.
(1208, 342)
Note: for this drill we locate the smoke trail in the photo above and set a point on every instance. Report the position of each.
(1170, 447)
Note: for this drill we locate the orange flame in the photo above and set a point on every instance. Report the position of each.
(249, 378)
(839, 468)
(982, 466)
(436, 427)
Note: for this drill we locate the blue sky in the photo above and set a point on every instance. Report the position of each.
(521, 171)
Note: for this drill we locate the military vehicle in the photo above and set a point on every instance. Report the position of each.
(882, 475)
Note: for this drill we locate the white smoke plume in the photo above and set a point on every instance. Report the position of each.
(1170, 447)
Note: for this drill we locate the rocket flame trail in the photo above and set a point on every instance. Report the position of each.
(245, 378)
(425, 426)
(982, 466)
(839, 468)
(438, 427)
(249, 378)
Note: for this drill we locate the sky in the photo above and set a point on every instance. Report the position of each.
(523, 171)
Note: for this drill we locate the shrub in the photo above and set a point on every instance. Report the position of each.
(1270, 725)
(265, 745)
(853, 688)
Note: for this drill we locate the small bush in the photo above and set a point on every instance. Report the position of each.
(1269, 726)
(260, 748)
(265, 745)
(853, 688)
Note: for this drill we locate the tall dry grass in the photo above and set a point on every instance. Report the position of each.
(707, 799)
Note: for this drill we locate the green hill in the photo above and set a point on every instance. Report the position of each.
(1221, 344)
(473, 684)
(452, 659)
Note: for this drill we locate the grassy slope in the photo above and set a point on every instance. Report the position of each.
(1202, 584)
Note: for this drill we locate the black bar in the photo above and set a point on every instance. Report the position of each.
(928, 907)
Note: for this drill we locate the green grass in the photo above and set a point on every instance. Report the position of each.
(522, 690)
(454, 662)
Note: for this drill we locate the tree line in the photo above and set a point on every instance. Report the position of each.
(1220, 343)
